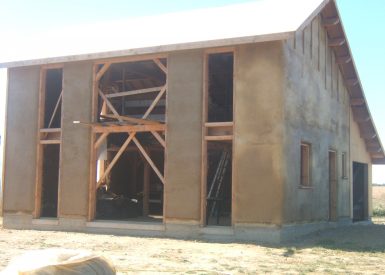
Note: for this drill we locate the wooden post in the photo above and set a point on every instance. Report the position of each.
(146, 188)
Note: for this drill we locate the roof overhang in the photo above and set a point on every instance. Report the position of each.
(257, 21)
(337, 39)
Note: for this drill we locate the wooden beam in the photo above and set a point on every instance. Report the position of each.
(330, 21)
(145, 155)
(160, 65)
(50, 141)
(336, 42)
(156, 100)
(102, 137)
(213, 138)
(351, 81)
(219, 124)
(135, 92)
(97, 128)
(50, 130)
(378, 155)
(343, 59)
(159, 138)
(357, 101)
(368, 135)
(101, 72)
(373, 143)
(115, 159)
(55, 109)
(132, 119)
(361, 119)
(146, 188)
(110, 106)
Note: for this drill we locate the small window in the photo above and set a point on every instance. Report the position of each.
(305, 164)
(344, 168)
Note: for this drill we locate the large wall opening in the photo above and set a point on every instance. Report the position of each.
(50, 180)
(360, 191)
(218, 136)
(219, 174)
(48, 166)
(130, 140)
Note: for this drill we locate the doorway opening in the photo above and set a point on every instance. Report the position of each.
(360, 192)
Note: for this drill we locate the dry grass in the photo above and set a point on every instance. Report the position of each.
(356, 249)
(378, 195)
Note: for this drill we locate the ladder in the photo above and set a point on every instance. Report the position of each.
(217, 182)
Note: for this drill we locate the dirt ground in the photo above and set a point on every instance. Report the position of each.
(356, 249)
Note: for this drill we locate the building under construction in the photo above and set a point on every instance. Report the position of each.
(261, 133)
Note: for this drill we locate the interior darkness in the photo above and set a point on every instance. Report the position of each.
(219, 174)
(50, 180)
(53, 88)
(220, 90)
(122, 77)
(124, 198)
(360, 181)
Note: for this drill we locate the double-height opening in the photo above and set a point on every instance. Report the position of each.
(218, 139)
(49, 140)
(128, 140)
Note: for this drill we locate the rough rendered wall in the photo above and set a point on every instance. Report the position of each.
(358, 153)
(317, 112)
(75, 148)
(21, 139)
(184, 136)
(258, 133)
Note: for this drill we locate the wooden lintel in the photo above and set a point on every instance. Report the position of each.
(132, 119)
(160, 65)
(135, 92)
(101, 72)
(357, 101)
(98, 128)
(330, 21)
(343, 59)
(351, 81)
(218, 138)
(50, 130)
(219, 124)
(50, 141)
(336, 42)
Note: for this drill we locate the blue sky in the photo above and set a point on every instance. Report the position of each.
(364, 22)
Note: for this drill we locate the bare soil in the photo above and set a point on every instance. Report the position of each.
(356, 249)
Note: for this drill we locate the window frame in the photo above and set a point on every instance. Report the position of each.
(305, 181)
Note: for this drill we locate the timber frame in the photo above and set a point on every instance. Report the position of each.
(122, 124)
(46, 135)
(213, 131)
